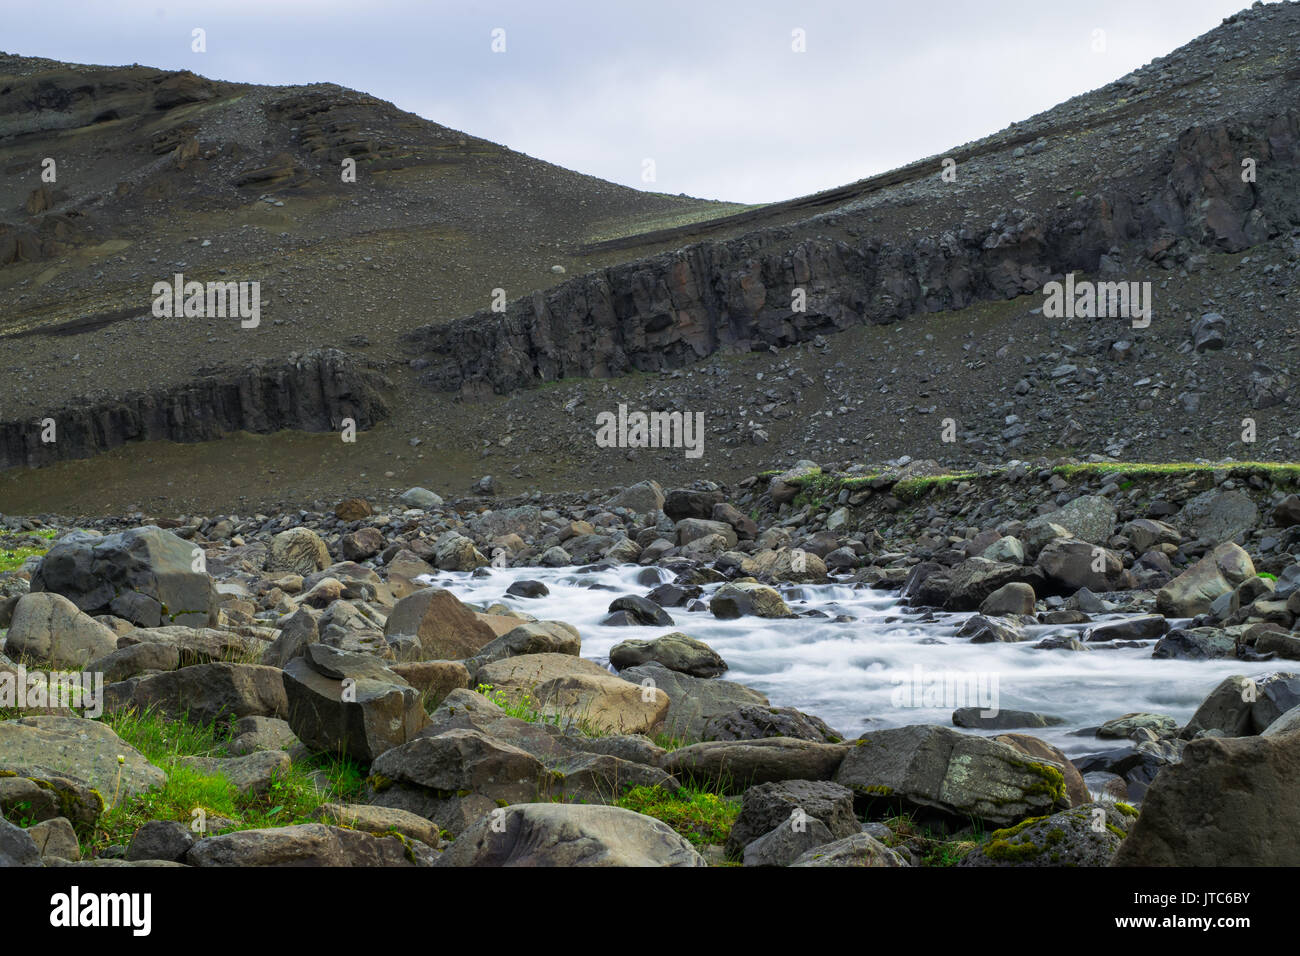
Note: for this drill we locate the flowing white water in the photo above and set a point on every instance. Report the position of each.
(864, 674)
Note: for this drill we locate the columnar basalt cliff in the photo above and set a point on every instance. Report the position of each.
(673, 309)
(314, 393)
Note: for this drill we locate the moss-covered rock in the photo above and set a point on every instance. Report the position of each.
(1081, 836)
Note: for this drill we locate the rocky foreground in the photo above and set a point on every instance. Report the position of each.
(259, 690)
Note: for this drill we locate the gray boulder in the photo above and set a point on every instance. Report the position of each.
(675, 651)
(959, 775)
(1230, 802)
(561, 834)
(145, 575)
(52, 630)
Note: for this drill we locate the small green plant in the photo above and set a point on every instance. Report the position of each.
(522, 705)
(292, 796)
(701, 816)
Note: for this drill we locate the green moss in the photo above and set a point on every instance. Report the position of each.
(1051, 781)
(1127, 809)
(704, 817)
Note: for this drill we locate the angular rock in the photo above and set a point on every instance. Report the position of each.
(145, 575)
(959, 775)
(51, 629)
(561, 834)
(768, 806)
(734, 766)
(1217, 573)
(85, 750)
(304, 844)
(1230, 802)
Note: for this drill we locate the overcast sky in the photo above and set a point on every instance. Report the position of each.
(711, 90)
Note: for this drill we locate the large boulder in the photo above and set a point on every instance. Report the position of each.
(578, 692)
(1071, 564)
(349, 703)
(204, 692)
(930, 768)
(675, 651)
(52, 630)
(735, 766)
(307, 844)
(530, 637)
(432, 624)
(642, 498)
(85, 750)
(743, 598)
(1089, 518)
(43, 795)
(755, 721)
(1217, 516)
(560, 834)
(1192, 592)
(1230, 802)
(1075, 789)
(692, 701)
(145, 575)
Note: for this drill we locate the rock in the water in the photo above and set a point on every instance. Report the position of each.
(740, 599)
(675, 651)
(1014, 598)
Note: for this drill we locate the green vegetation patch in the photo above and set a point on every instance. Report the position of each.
(291, 798)
(702, 816)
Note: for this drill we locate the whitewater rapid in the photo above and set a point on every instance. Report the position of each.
(876, 670)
